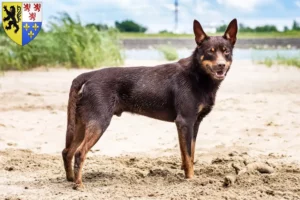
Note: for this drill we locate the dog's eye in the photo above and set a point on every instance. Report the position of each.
(226, 51)
(211, 51)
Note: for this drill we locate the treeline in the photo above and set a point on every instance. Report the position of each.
(131, 26)
(123, 26)
(261, 29)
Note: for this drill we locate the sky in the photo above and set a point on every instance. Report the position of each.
(158, 15)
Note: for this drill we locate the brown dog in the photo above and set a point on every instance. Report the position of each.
(183, 92)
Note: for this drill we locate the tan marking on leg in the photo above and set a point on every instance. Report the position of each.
(193, 151)
(196, 128)
(189, 169)
(187, 161)
(181, 153)
(69, 172)
(92, 135)
(77, 140)
(202, 57)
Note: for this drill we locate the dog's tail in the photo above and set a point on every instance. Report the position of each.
(73, 99)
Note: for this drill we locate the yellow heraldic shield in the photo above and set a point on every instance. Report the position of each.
(12, 20)
(22, 21)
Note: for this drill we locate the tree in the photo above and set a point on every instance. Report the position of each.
(99, 27)
(129, 26)
(286, 28)
(243, 28)
(266, 28)
(221, 28)
(296, 26)
(166, 32)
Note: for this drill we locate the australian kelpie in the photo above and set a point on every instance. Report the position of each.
(183, 92)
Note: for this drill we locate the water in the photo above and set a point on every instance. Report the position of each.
(239, 54)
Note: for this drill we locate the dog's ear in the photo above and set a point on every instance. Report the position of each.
(231, 31)
(200, 35)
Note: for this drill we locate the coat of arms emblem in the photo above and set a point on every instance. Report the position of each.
(22, 21)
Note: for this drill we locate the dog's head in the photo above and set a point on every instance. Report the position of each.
(214, 53)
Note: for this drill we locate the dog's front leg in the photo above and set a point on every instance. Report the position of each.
(185, 135)
(195, 133)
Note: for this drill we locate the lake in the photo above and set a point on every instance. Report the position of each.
(239, 54)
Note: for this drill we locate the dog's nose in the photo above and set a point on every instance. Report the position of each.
(221, 65)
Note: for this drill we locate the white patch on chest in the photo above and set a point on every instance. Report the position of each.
(200, 108)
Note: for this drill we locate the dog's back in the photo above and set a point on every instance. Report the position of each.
(147, 91)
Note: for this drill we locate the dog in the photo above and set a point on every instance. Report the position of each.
(183, 92)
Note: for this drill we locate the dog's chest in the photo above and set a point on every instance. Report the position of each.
(200, 108)
(203, 108)
(205, 102)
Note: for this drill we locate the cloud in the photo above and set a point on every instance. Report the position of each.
(248, 6)
(297, 3)
(170, 6)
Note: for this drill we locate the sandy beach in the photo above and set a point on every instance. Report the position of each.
(255, 119)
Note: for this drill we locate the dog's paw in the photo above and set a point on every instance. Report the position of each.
(70, 178)
(189, 174)
(78, 186)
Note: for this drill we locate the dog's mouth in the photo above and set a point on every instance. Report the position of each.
(220, 74)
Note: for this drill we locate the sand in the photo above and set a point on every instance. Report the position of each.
(256, 118)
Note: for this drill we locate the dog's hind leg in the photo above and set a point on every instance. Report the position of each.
(71, 147)
(185, 134)
(93, 132)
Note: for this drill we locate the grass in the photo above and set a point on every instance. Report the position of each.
(281, 60)
(68, 44)
(289, 34)
(169, 52)
(268, 62)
